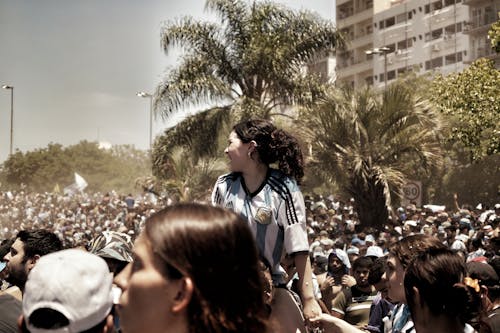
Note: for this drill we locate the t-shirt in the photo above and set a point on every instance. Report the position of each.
(355, 305)
(399, 320)
(275, 214)
(10, 310)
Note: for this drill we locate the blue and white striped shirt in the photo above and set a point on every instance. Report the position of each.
(275, 214)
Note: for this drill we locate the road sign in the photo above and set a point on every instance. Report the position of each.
(412, 192)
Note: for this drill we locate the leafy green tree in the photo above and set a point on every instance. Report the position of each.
(494, 35)
(472, 101)
(370, 142)
(104, 170)
(250, 63)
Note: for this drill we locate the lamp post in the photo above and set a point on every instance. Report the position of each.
(11, 88)
(381, 50)
(147, 95)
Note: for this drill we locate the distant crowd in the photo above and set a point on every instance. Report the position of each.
(351, 267)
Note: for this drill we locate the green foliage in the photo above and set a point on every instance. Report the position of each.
(472, 100)
(494, 35)
(104, 170)
(370, 142)
(249, 65)
(256, 52)
(184, 177)
(477, 182)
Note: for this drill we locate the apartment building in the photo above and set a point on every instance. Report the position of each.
(391, 37)
(482, 13)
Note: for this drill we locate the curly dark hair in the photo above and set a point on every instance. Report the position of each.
(274, 145)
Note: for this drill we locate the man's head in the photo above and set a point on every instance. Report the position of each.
(28, 247)
(114, 247)
(376, 275)
(361, 270)
(68, 291)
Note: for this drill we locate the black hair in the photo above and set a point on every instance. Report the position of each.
(438, 275)
(39, 242)
(363, 262)
(273, 145)
(377, 270)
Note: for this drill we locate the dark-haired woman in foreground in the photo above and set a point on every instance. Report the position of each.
(270, 199)
(440, 297)
(195, 270)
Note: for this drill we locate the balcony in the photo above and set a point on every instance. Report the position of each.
(472, 2)
(482, 52)
(356, 17)
(352, 66)
(479, 24)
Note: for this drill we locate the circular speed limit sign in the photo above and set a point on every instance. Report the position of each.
(411, 191)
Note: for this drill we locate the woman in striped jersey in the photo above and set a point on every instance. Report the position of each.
(270, 199)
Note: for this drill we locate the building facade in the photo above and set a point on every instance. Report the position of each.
(390, 37)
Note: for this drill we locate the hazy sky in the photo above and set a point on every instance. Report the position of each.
(76, 66)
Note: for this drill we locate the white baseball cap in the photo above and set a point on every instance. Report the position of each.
(374, 251)
(73, 282)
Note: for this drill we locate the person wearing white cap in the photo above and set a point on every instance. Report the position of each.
(68, 291)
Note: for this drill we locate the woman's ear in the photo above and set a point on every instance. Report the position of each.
(253, 146)
(184, 294)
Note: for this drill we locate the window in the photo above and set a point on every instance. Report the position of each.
(404, 44)
(391, 75)
(410, 15)
(449, 30)
(392, 47)
(437, 5)
(459, 56)
(381, 25)
(390, 22)
(437, 62)
(427, 9)
(450, 59)
(427, 65)
(459, 27)
(401, 18)
(438, 33)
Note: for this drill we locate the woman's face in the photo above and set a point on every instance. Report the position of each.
(237, 152)
(147, 295)
(394, 275)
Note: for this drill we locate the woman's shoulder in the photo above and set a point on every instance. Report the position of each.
(279, 177)
(228, 177)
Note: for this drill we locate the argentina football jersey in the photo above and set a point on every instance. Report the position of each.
(275, 213)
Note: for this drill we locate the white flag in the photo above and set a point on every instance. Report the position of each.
(81, 184)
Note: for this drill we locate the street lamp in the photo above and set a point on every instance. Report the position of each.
(381, 50)
(11, 88)
(147, 95)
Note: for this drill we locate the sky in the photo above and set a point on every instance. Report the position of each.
(76, 66)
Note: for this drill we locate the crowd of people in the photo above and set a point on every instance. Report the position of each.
(259, 257)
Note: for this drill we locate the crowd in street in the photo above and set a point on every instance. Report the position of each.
(296, 263)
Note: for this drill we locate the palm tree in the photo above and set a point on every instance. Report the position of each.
(249, 64)
(370, 142)
(182, 177)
